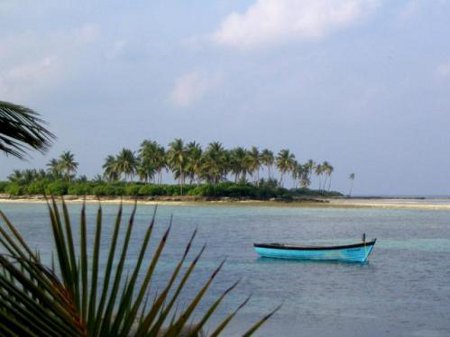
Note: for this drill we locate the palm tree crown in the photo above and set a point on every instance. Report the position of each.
(285, 163)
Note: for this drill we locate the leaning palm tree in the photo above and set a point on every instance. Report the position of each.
(267, 159)
(329, 172)
(81, 297)
(21, 129)
(319, 171)
(160, 161)
(110, 169)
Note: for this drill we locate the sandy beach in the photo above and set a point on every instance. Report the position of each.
(392, 203)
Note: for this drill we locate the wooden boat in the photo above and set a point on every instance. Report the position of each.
(357, 252)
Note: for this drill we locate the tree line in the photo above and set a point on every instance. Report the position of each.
(189, 164)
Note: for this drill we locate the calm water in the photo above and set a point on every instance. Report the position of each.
(403, 291)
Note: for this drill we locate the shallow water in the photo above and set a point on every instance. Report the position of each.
(403, 291)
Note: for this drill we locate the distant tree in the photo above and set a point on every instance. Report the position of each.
(98, 179)
(177, 160)
(352, 179)
(267, 159)
(285, 163)
(54, 168)
(160, 161)
(300, 174)
(21, 129)
(237, 163)
(126, 164)
(319, 171)
(310, 166)
(328, 171)
(215, 163)
(110, 169)
(16, 177)
(254, 162)
(146, 161)
(67, 164)
(194, 161)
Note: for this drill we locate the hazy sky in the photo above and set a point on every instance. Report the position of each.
(362, 84)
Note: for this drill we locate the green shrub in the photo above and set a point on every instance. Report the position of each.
(80, 189)
(151, 190)
(3, 185)
(36, 187)
(132, 189)
(56, 188)
(14, 189)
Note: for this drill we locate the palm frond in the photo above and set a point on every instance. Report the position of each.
(21, 129)
(71, 301)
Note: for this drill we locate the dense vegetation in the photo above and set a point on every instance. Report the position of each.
(211, 172)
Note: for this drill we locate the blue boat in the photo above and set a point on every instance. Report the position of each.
(357, 252)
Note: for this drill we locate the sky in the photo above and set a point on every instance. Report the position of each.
(362, 84)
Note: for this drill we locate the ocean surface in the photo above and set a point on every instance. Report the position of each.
(403, 291)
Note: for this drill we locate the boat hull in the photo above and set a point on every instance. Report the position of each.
(348, 253)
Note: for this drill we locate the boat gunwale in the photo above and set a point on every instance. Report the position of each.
(283, 246)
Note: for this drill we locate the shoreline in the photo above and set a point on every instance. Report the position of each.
(375, 202)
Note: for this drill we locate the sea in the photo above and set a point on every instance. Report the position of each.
(404, 289)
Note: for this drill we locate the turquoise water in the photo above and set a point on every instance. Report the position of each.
(403, 291)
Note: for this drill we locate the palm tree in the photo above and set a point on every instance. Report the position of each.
(54, 168)
(319, 171)
(329, 171)
(126, 163)
(146, 163)
(67, 164)
(21, 129)
(300, 173)
(16, 177)
(160, 161)
(215, 163)
(237, 163)
(285, 163)
(310, 166)
(352, 179)
(110, 169)
(267, 159)
(254, 162)
(177, 158)
(194, 161)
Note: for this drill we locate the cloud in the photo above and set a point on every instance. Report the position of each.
(443, 69)
(31, 63)
(191, 87)
(269, 22)
(116, 50)
(28, 76)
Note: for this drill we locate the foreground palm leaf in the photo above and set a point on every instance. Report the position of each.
(37, 301)
(21, 128)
